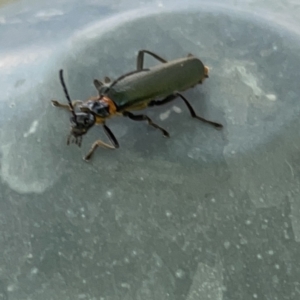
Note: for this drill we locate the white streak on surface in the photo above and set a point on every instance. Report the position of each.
(32, 129)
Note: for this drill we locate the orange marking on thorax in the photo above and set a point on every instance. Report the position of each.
(111, 105)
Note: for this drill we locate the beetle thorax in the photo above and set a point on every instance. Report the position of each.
(99, 107)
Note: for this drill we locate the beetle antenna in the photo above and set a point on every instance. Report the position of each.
(66, 93)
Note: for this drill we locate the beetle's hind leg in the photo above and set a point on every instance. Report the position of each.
(67, 106)
(189, 106)
(114, 143)
(145, 118)
(194, 115)
(140, 58)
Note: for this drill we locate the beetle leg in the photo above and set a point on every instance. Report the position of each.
(98, 84)
(189, 106)
(140, 58)
(95, 145)
(111, 136)
(163, 101)
(99, 143)
(194, 115)
(107, 79)
(67, 106)
(145, 118)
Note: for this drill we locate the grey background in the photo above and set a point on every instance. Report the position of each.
(205, 214)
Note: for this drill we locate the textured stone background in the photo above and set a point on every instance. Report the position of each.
(203, 215)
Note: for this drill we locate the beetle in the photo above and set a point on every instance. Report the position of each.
(133, 91)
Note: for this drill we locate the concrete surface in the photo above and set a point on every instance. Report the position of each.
(203, 215)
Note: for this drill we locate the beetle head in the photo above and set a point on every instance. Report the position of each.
(80, 126)
(81, 122)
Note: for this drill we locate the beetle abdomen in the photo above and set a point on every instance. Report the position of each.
(157, 82)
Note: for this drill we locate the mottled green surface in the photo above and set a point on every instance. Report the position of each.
(205, 214)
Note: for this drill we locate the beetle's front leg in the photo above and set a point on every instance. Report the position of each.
(66, 106)
(114, 143)
(95, 145)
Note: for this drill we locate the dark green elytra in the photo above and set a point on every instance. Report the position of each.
(157, 82)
